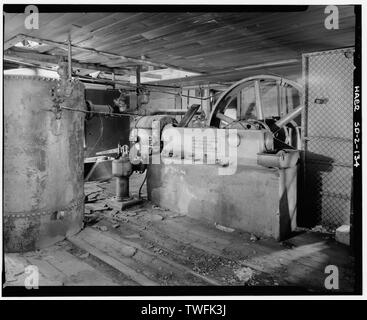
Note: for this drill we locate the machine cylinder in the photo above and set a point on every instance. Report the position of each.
(122, 170)
(43, 163)
(122, 188)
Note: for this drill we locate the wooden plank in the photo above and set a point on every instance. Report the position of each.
(219, 267)
(15, 264)
(48, 270)
(57, 267)
(174, 243)
(180, 268)
(270, 260)
(151, 264)
(110, 258)
(76, 271)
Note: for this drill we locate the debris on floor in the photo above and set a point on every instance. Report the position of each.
(147, 246)
(320, 229)
(244, 274)
(223, 228)
(158, 208)
(156, 217)
(102, 228)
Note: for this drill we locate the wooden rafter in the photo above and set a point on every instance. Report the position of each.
(109, 55)
(47, 59)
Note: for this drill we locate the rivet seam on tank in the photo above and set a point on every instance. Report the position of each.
(72, 205)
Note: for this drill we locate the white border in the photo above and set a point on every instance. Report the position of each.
(215, 2)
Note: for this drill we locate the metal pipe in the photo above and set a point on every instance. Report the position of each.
(99, 108)
(69, 58)
(106, 109)
(224, 118)
(173, 112)
(259, 108)
(122, 188)
(289, 117)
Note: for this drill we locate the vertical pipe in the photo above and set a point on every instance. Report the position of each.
(278, 100)
(122, 188)
(259, 109)
(137, 86)
(69, 58)
(138, 76)
(282, 99)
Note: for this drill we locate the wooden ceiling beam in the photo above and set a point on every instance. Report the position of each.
(64, 46)
(46, 59)
(235, 72)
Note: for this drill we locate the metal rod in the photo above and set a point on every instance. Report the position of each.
(289, 117)
(224, 118)
(269, 64)
(102, 113)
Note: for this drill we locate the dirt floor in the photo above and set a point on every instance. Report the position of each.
(148, 245)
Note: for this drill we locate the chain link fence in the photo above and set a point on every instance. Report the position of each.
(328, 126)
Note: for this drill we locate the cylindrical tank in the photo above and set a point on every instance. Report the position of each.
(43, 163)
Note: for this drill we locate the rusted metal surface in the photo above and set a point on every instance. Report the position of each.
(43, 164)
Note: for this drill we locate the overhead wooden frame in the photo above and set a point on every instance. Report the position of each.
(64, 46)
(43, 59)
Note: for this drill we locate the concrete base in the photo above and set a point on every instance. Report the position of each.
(342, 234)
(255, 199)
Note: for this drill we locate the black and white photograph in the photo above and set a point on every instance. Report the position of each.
(194, 150)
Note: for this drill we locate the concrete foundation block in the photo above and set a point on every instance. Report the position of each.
(255, 199)
(342, 234)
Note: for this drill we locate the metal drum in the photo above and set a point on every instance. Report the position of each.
(43, 162)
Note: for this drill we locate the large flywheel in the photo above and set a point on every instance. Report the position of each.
(262, 102)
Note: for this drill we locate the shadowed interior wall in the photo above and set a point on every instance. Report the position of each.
(104, 133)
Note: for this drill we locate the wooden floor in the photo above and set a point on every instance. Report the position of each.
(148, 245)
